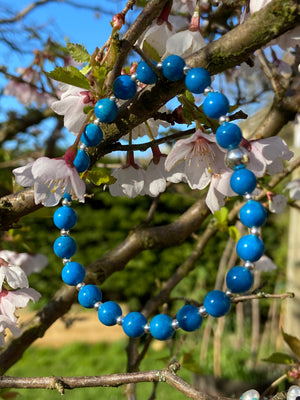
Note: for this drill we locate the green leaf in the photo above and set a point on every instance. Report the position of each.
(70, 75)
(279, 358)
(150, 51)
(190, 364)
(221, 216)
(234, 233)
(78, 52)
(99, 74)
(189, 96)
(293, 342)
(99, 177)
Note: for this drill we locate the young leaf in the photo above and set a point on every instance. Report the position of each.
(279, 358)
(234, 233)
(221, 215)
(293, 343)
(78, 52)
(70, 75)
(100, 176)
(150, 51)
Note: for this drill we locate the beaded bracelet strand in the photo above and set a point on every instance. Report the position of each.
(249, 248)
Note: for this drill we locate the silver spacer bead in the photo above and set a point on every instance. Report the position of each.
(133, 77)
(97, 305)
(64, 232)
(96, 121)
(66, 260)
(159, 65)
(186, 69)
(249, 265)
(236, 156)
(254, 230)
(215, 3)
(248, 196)
(80, 285)
(119, 320)
(207, 90)
(113, 98)
(175, 324)
(202, 311)
(66, 202)
(83, 146)
(229, 293)
(223, 118)
(147, 328)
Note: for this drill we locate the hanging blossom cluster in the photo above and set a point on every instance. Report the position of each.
(15, 292)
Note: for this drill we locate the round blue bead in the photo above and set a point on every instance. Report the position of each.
(253, 214)
(82, 161)
(197, 79)
(161, 327)
(242, 180)
(65, 217)
(145, 74)
(250, 248)
(108, 313)
(216, 303)
(89, 295)
(124, 87)
(172, 68)
(64, 247)
(106, 110)
(239, 279)
(73, 273)
(215, 105)
(92, 135)
(133, 324)
(189, 318)
(228, 135)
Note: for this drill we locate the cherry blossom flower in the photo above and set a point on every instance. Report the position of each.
(277, 202)
(201, 162)
(184, 6)
(6, 323)
(25, 92)
(52, 178)
(186, 42)
(294, 189)
(28, 262)
(14, 276)
(10, 300)
(129, 179)
(71, 105)
(265, 264)
(266, 155)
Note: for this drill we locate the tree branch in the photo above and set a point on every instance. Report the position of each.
(113, 380)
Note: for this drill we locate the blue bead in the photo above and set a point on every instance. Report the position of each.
(216, 303)
(161, 327)
(82, 161)
(124, 87)
(65, 218)
(92, 135)
(133, 324)
(106, 110)
(189, 318)
(64, 247)
(215, 105)
(108, 313)
(172, 68)
(197, 79)
(89, 295)
(145, 74)
(67, 196)
(253, 214)
(242, 180)
(239, 279)
(250, 248)
(73, 273)
(228, 135)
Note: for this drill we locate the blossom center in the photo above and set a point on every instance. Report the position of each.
(204, 154)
